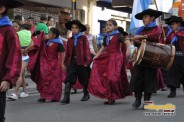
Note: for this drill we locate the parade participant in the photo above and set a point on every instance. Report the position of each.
(144, 79)
(175, 37)
(129, 63)
(48, 72)
(91, 40)
(77, 60)
(10, 53)
(25, 42)
(108, 78)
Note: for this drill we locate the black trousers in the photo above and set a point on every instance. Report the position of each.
(175, 75)
(2, 106)
(144, 79)
(75, 71)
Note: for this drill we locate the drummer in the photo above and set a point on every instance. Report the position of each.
(175, 36)
(144, 79)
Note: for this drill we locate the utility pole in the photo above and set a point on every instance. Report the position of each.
(73, 9)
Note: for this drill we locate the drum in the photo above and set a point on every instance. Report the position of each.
(155, 55)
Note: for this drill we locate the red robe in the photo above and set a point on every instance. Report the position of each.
(46, 70)
(108, 78)
(10, 55)
(82, 51)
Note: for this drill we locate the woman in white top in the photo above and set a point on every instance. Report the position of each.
(91, 40)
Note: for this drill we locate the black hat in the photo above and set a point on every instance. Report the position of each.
(11, 3)
(150, 12)
(69, 24)
(174, 19)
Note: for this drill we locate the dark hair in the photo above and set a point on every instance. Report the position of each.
(120, 29)
(113, 22)
(49, 17)
(55, 31)
(6, 11)
(18, 17)
(31, 18)
(25, 26)
(43, 18)
(16, 21)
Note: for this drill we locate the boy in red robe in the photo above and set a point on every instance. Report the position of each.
(144, 79)
(77, 60)
(175, 36)
(10, 53)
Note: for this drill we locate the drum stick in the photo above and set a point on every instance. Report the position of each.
(160, 19)
(144, 37)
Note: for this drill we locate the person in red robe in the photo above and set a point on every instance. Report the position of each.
(77, 60)
(46, 72)
(144, 79)
(174, 36)
(10, 53)
(108, 78)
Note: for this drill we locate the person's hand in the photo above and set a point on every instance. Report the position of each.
(24, 52)
(5, 85)
(63, 66)
(95, 57)
(137, 38)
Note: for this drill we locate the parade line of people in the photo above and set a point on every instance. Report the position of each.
(80, 63)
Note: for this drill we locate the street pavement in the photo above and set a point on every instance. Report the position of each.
(29, 110)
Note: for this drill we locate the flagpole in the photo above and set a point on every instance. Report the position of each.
(160, 19)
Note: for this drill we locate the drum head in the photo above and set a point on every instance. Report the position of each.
(140, 52)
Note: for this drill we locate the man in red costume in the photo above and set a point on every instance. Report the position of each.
(10, 53)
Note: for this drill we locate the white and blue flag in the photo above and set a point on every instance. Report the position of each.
(138, 6)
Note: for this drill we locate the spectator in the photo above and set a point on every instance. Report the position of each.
(42, 27)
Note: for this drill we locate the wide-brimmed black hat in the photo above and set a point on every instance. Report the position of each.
(69, 24)
(11, 3)
(150, 12)
(174, 19)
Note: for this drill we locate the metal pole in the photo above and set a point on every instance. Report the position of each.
(160, 19)
(73, 9)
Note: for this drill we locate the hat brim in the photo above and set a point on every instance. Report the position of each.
(15, 4)
(156, 14)
(170, 22)
(69, 24)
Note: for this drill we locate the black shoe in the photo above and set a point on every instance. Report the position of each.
(172, 94)
(109, 102)
(65, 101)
(41, 100)
(85, 97)
(136, 104)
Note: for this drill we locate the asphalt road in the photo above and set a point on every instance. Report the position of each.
(29, 110)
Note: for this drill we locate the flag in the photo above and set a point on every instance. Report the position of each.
(138, 6)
